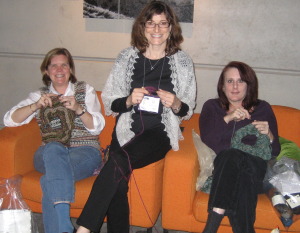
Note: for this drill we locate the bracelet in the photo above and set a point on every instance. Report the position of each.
(80, 114)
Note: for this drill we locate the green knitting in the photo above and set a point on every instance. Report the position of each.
(262, 146)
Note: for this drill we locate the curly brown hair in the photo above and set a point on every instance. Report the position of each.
(138, 38)
(47, 61)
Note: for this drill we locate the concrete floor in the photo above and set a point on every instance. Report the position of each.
(156, 229)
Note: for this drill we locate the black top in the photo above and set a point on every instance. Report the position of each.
(159, 78)
(143, 76)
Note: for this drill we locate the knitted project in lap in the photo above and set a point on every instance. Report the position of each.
(262, 146)
(57, 122)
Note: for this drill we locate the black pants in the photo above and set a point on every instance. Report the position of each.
(109, 192)
(237, 180)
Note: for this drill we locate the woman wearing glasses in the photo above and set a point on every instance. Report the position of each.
(151, 88)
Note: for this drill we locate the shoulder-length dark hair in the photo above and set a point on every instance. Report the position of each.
(138, 38)
(248, 75)
(47, 61)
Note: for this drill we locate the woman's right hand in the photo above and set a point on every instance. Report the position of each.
(136, 96)
(21, 114)
(237, 114)
(44, 101)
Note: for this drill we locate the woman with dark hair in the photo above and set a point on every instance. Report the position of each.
(238, 174)
(70, 121)
(150, 89)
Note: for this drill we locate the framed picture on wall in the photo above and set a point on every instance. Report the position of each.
(118, 15)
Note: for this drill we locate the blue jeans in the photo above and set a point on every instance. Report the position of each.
(62, 166)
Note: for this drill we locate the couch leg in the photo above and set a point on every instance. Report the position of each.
(166, 231)
(149, 230)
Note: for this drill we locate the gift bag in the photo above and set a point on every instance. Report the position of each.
(15, 215)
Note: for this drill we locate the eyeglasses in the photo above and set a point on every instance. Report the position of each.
(162, 24)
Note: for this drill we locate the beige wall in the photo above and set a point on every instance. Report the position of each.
(263, 33)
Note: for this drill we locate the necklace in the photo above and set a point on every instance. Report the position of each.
(153, 66)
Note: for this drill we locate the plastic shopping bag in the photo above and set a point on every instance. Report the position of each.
(283, 176)
(206, 157)
(15, 215)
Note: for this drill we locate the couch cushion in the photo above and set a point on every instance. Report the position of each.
(288, 120)
(31, 181)
(144, 196)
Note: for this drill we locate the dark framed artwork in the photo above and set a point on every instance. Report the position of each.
(118, 15)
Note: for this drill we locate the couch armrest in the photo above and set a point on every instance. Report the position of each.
(288, 120)
(180, 175)
(17, 147)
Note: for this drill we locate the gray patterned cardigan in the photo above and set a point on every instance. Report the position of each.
(118, 85)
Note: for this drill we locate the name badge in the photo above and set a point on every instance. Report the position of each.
(149, 104)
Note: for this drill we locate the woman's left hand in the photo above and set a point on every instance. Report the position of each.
(168, 99)
(263, 128)
(70, 103)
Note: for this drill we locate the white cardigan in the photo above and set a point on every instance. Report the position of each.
(118, 85)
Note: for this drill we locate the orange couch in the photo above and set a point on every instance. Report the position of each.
(18, 144)
(185, 209)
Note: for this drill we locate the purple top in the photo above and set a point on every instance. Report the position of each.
(217, 134)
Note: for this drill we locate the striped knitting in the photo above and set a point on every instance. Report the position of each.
(80, 136)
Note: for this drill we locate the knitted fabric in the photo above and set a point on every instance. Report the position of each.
(79, 135)
(262, 146)
(56, 122)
